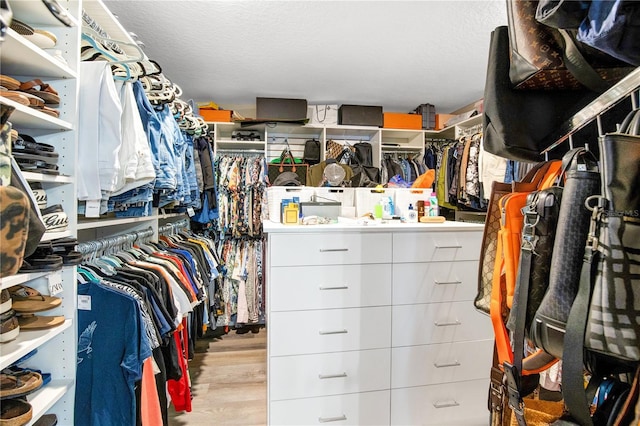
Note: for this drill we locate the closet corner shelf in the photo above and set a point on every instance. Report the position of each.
(28, 341)
(41, 177)
(36, 13)
(20, 56)
(45, 397)
(16, 279)
(110, 221)
(29, 118)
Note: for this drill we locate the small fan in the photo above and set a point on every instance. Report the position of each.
(334, 174)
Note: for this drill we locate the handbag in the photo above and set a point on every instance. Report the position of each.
(311, 152)
(517, 123)
(582, 179)
(334, 149)
(364, 153)
(613, 27)
(274, 170)
(530, 182)
(548, 56)
(364, 176)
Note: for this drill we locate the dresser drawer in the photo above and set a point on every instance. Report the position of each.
(459, 404)
(441, 363)
(329, 330)
(434, 282)
(440, 323)
(436, 246)
(368, 408)
(304, 376)
(322, 287)
(330, 248)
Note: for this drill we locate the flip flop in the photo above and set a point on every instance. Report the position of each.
(9, 83)
(50, 111)
(66, 248)
(42, 90)
(21, 28)
(37, 322)
(37, 166)
(27, 300)
(15, 411)
(18, 384)
(34, 101)
(48, 263)
(18, 97)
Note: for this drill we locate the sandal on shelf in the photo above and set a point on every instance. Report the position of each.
(42, 90)
(9, 83)
(18, 97)
(50, 111)
(15, 411)
(40, 194)
(19, 384)
(37, 166)
(54, 218)
(27, 299)
(34, 101)
(9, 326)
(39, 322)
(66, 248)
(21, 28)
(48, 263)
(14, 369)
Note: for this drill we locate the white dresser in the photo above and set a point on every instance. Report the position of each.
(375, 325)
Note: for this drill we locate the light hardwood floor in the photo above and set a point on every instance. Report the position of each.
(228, 382)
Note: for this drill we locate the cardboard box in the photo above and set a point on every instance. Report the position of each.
(360, 115)
(216, 115)
(441, 120)
(396, 120)
(281, 109)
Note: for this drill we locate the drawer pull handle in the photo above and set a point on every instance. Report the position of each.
(332, 419)
(446, 404)
(436, 282)
(446, 247)
(322, 333)
(447, 364)
(444, 324)
(332, 376)
(340, 287)
(330, 250)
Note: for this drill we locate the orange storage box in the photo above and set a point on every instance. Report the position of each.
(215, 115)
(441, 120)
(396, 120)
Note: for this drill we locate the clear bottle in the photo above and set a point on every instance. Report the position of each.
(433, 205)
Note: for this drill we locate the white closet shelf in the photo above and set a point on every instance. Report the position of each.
(48, 236)
(236, 144)
(45, 397)
(17, 279)
(106, 222)
(30, 118)
(97, 10)
(28, 341)
(40, 177)
(20, 56)
(36, 13)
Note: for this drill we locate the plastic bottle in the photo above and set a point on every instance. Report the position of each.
(412, 215)
(433, 205)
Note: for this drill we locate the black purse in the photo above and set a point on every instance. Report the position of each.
(550, 320)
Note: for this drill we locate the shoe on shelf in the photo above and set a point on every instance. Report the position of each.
(40, 194)
(15, 412)
(54, 218)
(28, 300)
(47, 420)
(16, 384)
(5, 301)
(39, 322)
(9, 326)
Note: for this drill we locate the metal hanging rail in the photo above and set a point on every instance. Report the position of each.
(114, 243)
(174, 227)
(620, 91)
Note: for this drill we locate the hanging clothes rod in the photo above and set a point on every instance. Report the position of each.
(91, 23)
(240, 151)
(174, 227)
(114, 243)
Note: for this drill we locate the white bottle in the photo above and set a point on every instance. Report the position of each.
(412, 214)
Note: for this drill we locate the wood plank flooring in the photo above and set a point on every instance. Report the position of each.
(228, 382)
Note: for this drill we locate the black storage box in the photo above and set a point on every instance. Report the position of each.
(360, 115)
(281, 109)
(428, 113)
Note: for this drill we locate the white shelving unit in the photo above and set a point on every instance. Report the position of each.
(383, 140)
(55, 348)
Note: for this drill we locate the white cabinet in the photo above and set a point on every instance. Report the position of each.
(24, 61)
(376, 325)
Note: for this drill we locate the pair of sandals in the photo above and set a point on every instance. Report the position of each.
(35, 156)
(53, 255)
(33, 93)
(27, 301)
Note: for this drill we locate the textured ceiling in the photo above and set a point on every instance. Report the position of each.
(397, 54)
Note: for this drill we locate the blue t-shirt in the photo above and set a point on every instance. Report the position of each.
(111, 349)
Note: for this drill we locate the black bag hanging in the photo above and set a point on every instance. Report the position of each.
(311, 152)
(517, 123)
(364, 153)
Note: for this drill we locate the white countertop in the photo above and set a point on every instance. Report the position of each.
(362, 226)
